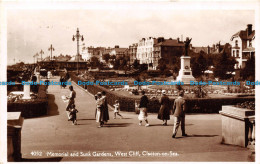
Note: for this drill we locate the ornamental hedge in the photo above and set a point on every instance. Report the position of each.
(33, 107)
(194, 105)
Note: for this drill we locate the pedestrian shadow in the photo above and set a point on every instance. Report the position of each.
(158, 125)
(52, 106)
(86, 119)
(81, 124)
(196, 135)
(109, 125)
(168, 125)
(123, 118)
(54, 159)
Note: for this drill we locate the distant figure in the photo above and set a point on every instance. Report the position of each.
(34, 88)
(62, 80)
(179, 108)
(73, 114)
(71, 98)
(187, 45)
(49, 74)
(164, 112)
(47, 81)
(105, 106)
(143, 109)
(117, 109)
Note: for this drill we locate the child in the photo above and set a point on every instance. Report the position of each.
(116, 111)
(143, 116)
(73, 115)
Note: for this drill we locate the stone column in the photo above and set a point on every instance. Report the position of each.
(26, 92)
(14, 128)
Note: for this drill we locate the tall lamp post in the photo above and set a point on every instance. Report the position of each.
(41, 52)
(35, 56)
(51, 48)
(78, 36)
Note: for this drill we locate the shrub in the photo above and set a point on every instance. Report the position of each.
(194, 105)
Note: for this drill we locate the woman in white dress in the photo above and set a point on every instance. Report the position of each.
(100, 111)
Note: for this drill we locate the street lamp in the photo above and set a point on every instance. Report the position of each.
(78, 36)
(51, 49)
(35, 56)
(41, 52)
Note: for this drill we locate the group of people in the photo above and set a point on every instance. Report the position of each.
(102, 114)
(179, 109)
(164, 112)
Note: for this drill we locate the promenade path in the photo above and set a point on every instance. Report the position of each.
(53, 133)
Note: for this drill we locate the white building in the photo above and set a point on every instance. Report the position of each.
(243, 46)
(145, 50)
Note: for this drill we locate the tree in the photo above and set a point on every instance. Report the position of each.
(248, 72)
(199, 65)
(136, 64)
(94, 61)
(224, 66)
(106, 57)
(162, 64)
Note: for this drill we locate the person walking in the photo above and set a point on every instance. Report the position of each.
(105, 107)
(117, 109)
(179, 108)
(71, 98)
(164, 112)
(73, 114)
(143, 109)
(99, 110)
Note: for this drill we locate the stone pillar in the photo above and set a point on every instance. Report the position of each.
(38, 77)
(185, 73)
(26, 92)
(49, 75)
(14, 127)
(235, 125)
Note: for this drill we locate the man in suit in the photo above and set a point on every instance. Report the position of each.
(179, 114)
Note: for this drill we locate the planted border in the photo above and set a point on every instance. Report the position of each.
(194, 105)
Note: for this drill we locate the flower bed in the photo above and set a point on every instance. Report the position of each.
(194, 105)
(247, 105)
(37, 106)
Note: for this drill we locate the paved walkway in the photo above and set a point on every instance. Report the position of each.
(54, 134)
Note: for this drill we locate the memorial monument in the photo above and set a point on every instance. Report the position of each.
(185, 73)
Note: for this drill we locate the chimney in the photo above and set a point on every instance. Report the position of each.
(208, 49)
(116, 46)
(160, 39)
(249, 29)
(178, 39)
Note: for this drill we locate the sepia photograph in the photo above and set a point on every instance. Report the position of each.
(149, 81)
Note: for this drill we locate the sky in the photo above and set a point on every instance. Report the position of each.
(30, 31)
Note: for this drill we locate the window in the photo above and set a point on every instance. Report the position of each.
(236, 43)
(237, 53)
(234, 53)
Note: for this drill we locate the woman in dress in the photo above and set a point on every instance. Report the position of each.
(99, 110)
(164, 112)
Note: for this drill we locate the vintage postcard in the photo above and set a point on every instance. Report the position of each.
(120, 81)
